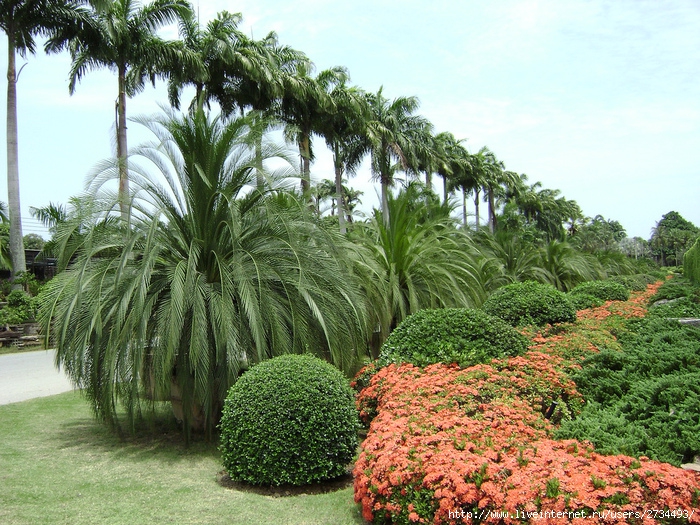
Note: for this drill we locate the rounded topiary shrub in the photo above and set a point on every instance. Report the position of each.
(605, 290)
(451, 335)
(520, 304)
(581, 301)
(289, 420)
(634, 283)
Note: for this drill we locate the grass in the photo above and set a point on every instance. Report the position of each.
(60, 466)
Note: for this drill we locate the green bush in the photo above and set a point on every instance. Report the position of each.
(606, 290)
(691, 263)
(451, 335)
(530, 302)
(648, 278)
(582, 301)
(633, 283)
(289, 420)
(658, 418)
(20, 308)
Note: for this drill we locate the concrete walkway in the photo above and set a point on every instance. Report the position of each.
(30, 374)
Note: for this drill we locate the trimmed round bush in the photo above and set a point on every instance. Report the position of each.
(451, 335)
(530, 302)
(289, 420)
(581, 301)
(605, 290)
(634, 283)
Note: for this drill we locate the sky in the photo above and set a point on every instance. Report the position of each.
(598, 99)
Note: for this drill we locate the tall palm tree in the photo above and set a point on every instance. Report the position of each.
(455, 167)
(305, 102)
(21, 21)
(388, 139)
(342, 130)
(212, 276)
(220, 48)
(121, 35)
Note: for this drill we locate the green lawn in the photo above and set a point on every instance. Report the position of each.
(57, 465)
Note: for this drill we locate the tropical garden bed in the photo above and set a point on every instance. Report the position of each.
(484, 443)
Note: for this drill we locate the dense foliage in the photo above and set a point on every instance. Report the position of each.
(691, 263)
(634, 283)
(674, 288)
(452, 335)
(671, 237)
(447, 443)
(530, 302)
(607, 290)
(289, 420)
(585, 300)
(20, 308)
(218, 276)
(643, 400)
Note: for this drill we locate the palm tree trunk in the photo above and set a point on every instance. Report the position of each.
(492, 211)
(444, 189)
(122, 151)
(305, 152)
(464, 208)
(385, 201)
(340, 198)
(476, 206)
(16, 243)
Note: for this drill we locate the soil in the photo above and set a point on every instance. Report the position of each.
(283, 491)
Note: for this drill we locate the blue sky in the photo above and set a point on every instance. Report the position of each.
(599, 99)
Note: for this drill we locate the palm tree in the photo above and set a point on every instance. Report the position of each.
(121, 35)
(212, 276)
(416, 260)
(388, 139)
(455, 167)
(305, 102)
(567, 266)
(220, 47)
(22, 20)
(342, 130)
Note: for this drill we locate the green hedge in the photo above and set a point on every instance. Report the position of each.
(691, 263)
(451, 335)
(289, 420)
(606, 290)
(530, 302)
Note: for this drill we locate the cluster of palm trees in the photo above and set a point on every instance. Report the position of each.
(207, 259)
(239, 74)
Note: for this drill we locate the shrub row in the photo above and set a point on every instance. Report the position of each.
(473, 442)
(607, 290)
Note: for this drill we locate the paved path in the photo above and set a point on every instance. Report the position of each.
(30, 374)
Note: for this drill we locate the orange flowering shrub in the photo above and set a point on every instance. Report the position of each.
(450, 445)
